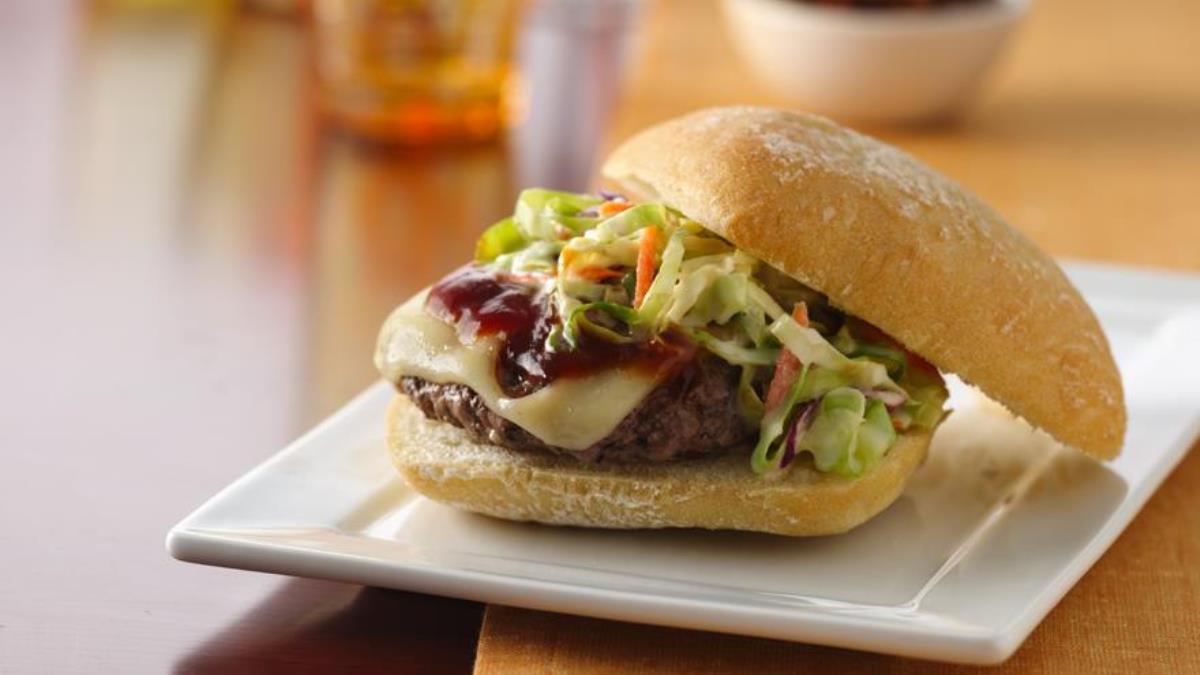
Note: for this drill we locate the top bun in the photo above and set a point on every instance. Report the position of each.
(890, 240)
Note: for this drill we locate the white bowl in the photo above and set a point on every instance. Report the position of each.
(884, 65)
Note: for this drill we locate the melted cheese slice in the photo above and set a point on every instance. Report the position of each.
(572, 413)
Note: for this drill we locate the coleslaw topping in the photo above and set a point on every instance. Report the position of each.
(815, 381)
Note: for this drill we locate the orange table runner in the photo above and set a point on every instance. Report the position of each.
(1088, 139)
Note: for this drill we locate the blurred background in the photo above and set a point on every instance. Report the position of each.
(264, 166)
(207, 207)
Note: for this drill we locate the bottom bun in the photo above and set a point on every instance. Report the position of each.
(444, 463)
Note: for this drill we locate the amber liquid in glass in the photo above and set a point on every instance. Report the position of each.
(416, 72)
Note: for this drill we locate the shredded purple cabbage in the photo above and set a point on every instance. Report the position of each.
(799, 426)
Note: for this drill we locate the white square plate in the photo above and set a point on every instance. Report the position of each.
(990, 533)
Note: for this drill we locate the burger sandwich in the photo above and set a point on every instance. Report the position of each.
(747, 333)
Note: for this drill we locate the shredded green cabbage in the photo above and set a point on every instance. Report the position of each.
(653, 307)
(538, 256)
(712, 289)
(540, 214)
(849, 434)
(737, 354)
(750, 406)
(503, 237)
(893, 359)
(834, 432)
(767, 453)
(810, 347)
(628, 222)
(578, 322)
(811, 384)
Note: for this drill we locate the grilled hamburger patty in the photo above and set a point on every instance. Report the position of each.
(692, 413)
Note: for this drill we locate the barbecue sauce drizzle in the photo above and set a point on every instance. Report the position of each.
(479, 303)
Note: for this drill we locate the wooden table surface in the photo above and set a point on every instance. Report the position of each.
(192, 271)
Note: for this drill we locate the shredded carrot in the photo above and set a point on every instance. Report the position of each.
(787, 367)
(597, 273)
(610, 208)
(647, 252)
(800, 314)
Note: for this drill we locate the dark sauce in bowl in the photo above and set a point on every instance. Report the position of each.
(480, 302)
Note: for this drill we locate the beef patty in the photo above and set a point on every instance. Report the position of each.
(691, 413)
